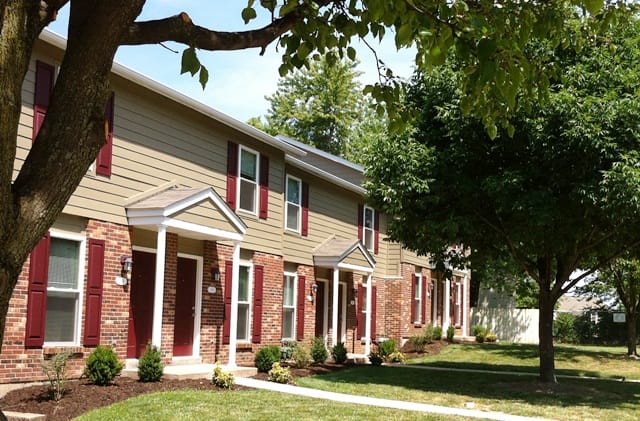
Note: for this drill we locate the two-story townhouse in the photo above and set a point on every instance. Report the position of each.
(209, 239)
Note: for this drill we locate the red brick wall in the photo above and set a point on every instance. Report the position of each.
(169, 296)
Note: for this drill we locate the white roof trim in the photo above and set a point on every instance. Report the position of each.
(321, 153)
(59, 41)
(325, 175)
(185, 226)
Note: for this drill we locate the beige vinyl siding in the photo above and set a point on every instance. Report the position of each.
(190, 246)
(356, 258)
(394, 253)
(205, 214)
(410, 257)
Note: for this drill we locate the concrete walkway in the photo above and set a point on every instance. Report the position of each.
(386, 403)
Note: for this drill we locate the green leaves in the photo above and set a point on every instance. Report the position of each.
(594, 6)
(191, 63)
(248, 13)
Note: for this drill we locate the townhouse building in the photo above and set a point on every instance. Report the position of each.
(209, 239)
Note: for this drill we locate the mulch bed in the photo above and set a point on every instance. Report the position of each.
(81, 396)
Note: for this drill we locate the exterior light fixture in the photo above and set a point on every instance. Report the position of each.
(215, 274)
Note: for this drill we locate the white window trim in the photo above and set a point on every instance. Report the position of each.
(248, 264)
(419, 299)
(365, 309)
(299, 205)
(371, 246)
(295, 306)
(81, 281)
(256, 199)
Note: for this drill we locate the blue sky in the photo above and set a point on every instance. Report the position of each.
(239, 80)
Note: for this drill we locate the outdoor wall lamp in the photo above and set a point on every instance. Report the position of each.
(215, 274)
(125, 272)
(313, 292)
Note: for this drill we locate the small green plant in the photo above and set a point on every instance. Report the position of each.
(480, 332)
(150, 367)
(102, 366)
(221, 378)
(301, 357)
(266, 357)
(319, 352)
(286, 350)
(451, 331)
(387, 347)
(437, 333)
(419, 342)
(339, 353)
(376, 358)
(396, 357)
(55, 369)
(279, 374)
(491, 337)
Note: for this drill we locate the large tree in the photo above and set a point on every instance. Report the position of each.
(560, 193)
(489, 34)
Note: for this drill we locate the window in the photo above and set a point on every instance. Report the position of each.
(63, 291)
(362, 296)
(293, 206)
(417, 297)
(368, 228)
(244, 303)
(248, 180)
(289, 307)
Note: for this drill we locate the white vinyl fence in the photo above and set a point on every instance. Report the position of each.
(509, 324)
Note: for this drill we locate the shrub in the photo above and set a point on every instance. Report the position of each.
(102, 366)
(339, 353)
(427, 332)
(301, 357)
(437, 332)
(55, 370)
(387, 347)
(396, 357)
(287, 349)
(564, 328)
(279, 374)
(419, 342)
(376, 358)
(150, 365)
(319, 352)
(221, 378)
(480, 332)
(490, 337)
(266, 357)
(451, 331)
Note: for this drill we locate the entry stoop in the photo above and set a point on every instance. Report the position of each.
(189, 368)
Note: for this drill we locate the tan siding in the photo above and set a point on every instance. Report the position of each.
(144, 238)
(190, 246)
(205, 214)
(356, 258)
(409, 256)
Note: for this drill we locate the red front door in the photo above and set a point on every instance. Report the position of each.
(185, 307)
(141, 304)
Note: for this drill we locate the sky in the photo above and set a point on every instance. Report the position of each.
(238, 80)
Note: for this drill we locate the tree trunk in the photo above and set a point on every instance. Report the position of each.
(545, 333)
(632, 333)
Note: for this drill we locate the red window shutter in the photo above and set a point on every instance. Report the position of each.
(258, 280)
(37, 293)
(360, 223)
(305, 210)
(300, 308)
(359, 318)
(376, 233)
(232, 174)
(413, 298)
(423, 302)
(95, 277)
(374, 304)
(103, 160)
(45, 74)
(226, 325)
(264, 187)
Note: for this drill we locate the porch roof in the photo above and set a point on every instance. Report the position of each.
(198, 213)
(342, 253)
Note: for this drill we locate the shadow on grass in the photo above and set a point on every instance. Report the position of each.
(599, 394)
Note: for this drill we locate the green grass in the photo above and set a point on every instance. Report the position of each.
(574, 360)
(242, 405)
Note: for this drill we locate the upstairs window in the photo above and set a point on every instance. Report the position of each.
(293, 209)
(248, 195)
(368, 228)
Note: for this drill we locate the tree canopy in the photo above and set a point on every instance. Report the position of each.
(559, 193)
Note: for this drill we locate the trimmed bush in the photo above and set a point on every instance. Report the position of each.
(437, 333)
(319, 352)
(222, 378)
(286, 350)
(279, 374)
(451, 331)
(266, 357)
(102, 366)
(396, 357)
(387, 347)
(490, 337)
(339, 353)
(480, 332)
(150, 367)
(376, 358)
(301, 357)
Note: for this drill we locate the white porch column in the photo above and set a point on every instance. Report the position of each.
(367, 323)
(446, 303)
(158, 296)
(334, 309)
(233, 322)
(465, 306)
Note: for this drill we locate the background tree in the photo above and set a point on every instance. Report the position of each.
(619, 283)
(323, 105)
(563, 193)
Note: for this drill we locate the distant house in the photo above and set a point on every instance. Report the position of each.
(209, 238)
